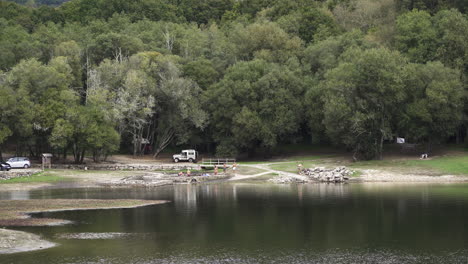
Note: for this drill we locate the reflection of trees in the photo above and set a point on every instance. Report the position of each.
(311, 216)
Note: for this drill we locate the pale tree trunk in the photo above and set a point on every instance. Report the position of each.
(135, 142)
(169, 39)
(163, 141)
(381, 146)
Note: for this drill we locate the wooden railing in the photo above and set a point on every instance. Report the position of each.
(213, 162)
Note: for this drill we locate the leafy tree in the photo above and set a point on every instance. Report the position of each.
(43, 95)
(266, 41)
(320, 57)
(261, 105)
(416, 36)
(202, 72)
(115, 46)
(83, 128)
(434, 102)
(363, 95)
(7, 113)
(179, 112)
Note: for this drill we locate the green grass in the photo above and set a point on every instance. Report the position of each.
(289, 159)
(262, 178)
(292, 166)
(243, 170)
(38, 177)
(451, 165)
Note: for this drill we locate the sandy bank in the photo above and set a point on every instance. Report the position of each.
(372, 175)
(17, 213)
(12, 241)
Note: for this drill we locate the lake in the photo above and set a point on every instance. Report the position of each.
(260, 223)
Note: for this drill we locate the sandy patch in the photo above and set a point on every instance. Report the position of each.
(12, 241)
(372, 175)
(17, 212)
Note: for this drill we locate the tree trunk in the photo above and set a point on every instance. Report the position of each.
(164, 141)
(381, 146)
(65, 153)
(82, 156)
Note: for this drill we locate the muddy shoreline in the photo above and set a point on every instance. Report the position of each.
(18, 213)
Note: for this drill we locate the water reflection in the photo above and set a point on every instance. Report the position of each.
(270, 223)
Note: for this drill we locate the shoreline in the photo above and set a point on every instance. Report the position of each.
(13, 241)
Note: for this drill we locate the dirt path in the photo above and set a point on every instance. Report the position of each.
(267, 170)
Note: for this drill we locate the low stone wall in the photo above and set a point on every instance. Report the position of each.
(153, 180)
(6, 175)
(141, 167)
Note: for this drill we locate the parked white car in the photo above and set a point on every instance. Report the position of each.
(189, 155)
(19, 162)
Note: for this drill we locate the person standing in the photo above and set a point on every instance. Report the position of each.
(216, 170)
(299, 168)
(224, 168)
(234, 168)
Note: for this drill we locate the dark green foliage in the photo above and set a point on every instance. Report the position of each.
(260, 104)
(235, 76)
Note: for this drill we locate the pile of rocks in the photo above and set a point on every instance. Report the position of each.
(339, 174)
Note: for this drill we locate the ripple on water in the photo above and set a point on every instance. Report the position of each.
(94, 235)
(336, 256)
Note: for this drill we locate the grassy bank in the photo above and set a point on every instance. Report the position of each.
(14, 212)
(457, 165)
(292, 166)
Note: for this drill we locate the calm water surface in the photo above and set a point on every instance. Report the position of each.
(260, 223)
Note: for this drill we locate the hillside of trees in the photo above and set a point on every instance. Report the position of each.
(95, 77)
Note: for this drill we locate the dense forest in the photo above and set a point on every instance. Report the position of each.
(95, 77)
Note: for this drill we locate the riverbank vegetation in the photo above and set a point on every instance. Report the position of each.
(231, 77)
(42, 177)
(457, 165)
(453, 164)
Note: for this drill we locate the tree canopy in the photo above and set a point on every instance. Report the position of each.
(93, 77)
